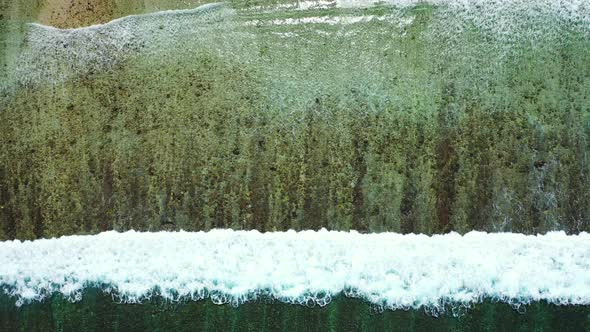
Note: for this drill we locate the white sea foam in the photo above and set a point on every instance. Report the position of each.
(390, 270)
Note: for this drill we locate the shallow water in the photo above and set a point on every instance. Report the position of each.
(425, 118)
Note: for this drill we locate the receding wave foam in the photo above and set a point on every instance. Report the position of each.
(51, 55)
(390, 270)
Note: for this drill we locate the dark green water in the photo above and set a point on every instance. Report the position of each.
(98, 312)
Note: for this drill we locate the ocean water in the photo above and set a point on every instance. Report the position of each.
(295, 165)
(99, 312)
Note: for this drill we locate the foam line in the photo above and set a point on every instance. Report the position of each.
(390, 270)
(172, 12)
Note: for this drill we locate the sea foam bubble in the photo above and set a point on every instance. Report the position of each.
(390, 270)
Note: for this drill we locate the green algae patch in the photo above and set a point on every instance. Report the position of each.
(416, 119)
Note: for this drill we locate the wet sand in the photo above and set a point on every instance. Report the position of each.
(79, 13)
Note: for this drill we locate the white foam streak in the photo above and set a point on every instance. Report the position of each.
(330, 20)
(388, 269)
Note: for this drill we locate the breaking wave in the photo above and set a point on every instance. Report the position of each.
(389, 270)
